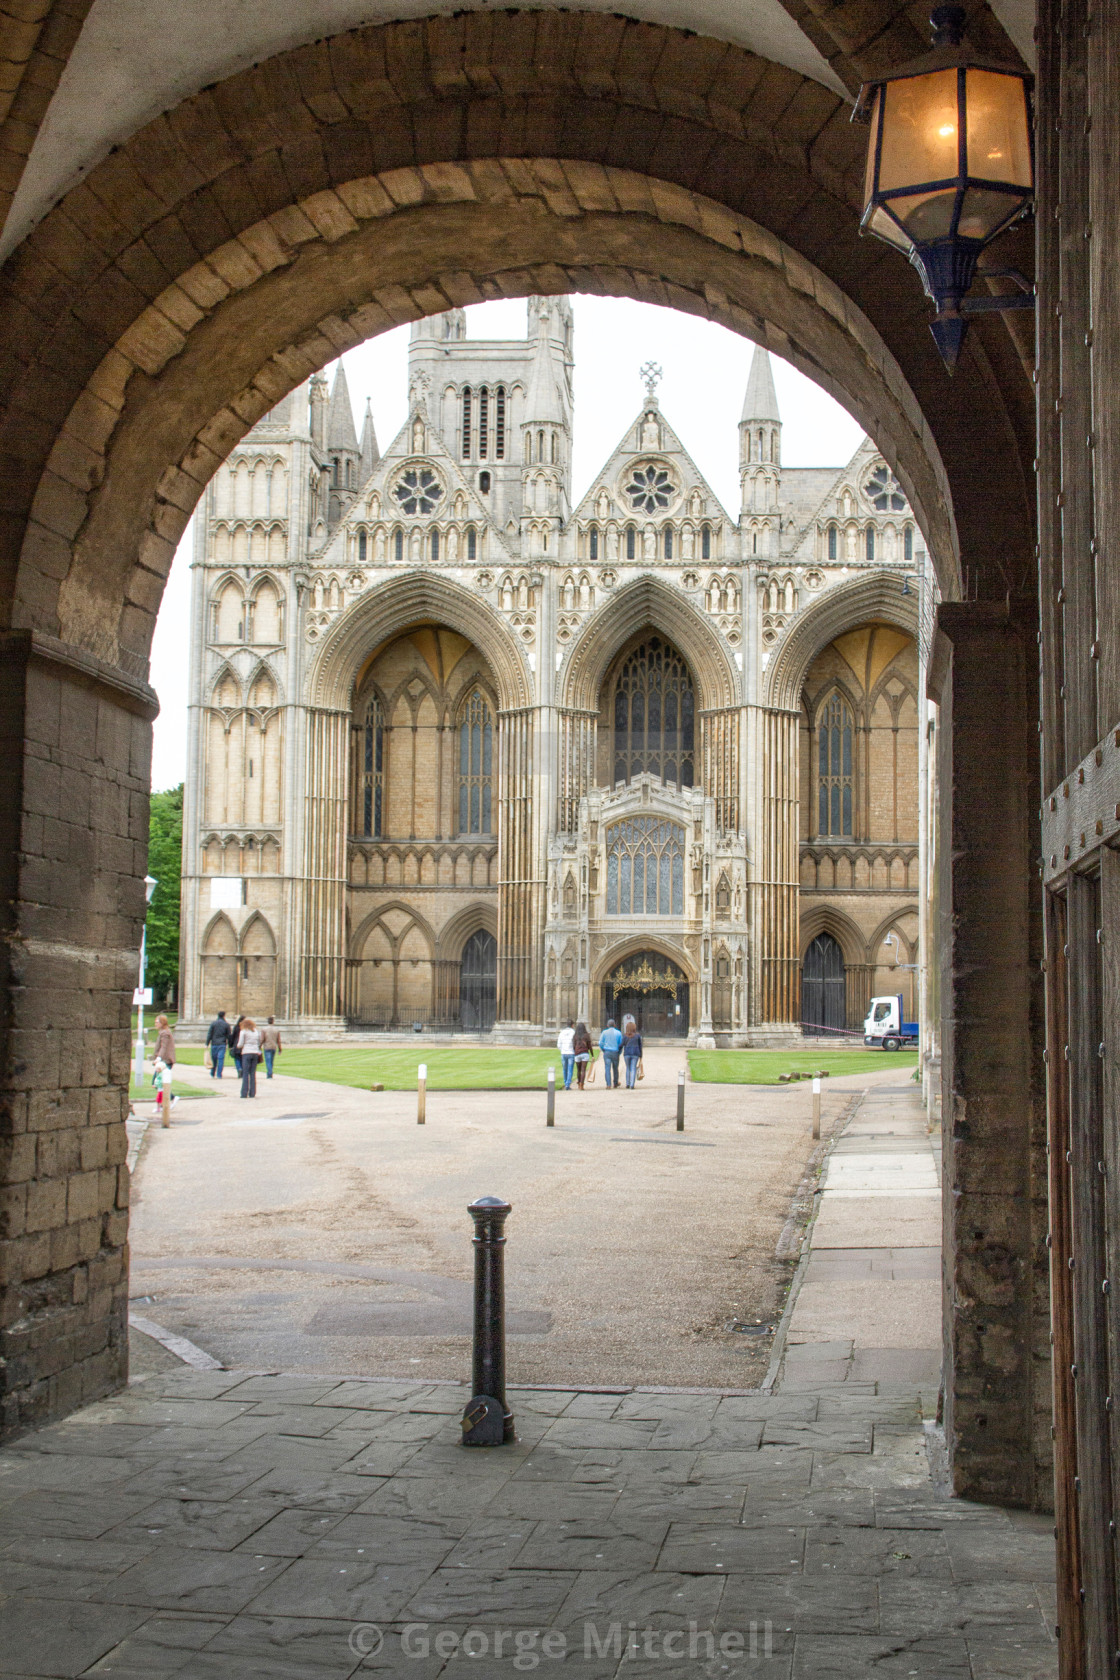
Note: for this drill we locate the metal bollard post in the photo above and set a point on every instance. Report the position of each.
(680, 1101)
(488, 1421)
(816, 1106)
(551, 1110)
(421, 1093)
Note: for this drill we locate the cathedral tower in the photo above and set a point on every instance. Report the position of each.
(760, 440)
(546, 428)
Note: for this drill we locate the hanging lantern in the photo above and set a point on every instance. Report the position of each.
(948, 168)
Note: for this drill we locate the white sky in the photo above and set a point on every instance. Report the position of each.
(705, 374)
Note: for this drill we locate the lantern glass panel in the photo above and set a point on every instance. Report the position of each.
(984, 212)
(920, 129)
(879, 222)
(928, 215)
(869, 171)
(997, 132)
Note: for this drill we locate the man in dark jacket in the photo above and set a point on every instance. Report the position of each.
(217, 1041)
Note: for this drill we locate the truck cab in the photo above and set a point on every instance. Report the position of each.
(884, 1027)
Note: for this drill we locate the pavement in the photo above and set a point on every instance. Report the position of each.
(239, 1525)
(319, 1228)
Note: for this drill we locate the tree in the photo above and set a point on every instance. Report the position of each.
(165, 862)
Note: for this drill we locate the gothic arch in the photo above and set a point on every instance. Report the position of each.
(646, 604)
(877, 597)
(875, 943)
(365, 927)
(826, 918)
(414, 598)
(634, 943)
(455, 933)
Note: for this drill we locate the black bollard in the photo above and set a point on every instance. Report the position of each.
(488, 1421)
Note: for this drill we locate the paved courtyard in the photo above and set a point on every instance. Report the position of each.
(238, 1525)
(321, 1229)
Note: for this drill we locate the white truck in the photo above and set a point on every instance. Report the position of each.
(885, 1028)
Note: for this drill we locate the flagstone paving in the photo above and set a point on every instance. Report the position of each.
(227, 1525)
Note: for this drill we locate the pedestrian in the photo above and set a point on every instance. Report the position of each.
(270, 1045)
(165, 1043)
(249, 1048)
(565, 1043)
(217, 1042)
(581, 1050)
(234, 1042)
(632, 1054)
(610, 1043)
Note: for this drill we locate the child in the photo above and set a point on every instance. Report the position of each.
(162, 1075)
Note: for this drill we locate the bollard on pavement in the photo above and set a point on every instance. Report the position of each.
(487, 1420)
(551, 1110)
(680, 1101)
(421, 1093)
(817, 1106)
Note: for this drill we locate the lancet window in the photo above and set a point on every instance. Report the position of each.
(645, 868)
(369, 770)
(834, 775)
(654, 716)
(476, 735)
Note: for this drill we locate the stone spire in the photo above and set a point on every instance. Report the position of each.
(546, 432)
(370, 452)
(760, 453)
(340, 420)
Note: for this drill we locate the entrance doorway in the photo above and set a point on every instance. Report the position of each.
(652, 989)
(478, 982)
(823, 991)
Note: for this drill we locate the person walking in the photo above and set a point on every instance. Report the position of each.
(249, 1049)
(270, 1045)
(610, 1043)
(217, 1042)
(165, 1043)
(632, 1054)
(581, 1050)
(235, 1042)
(565, 1043)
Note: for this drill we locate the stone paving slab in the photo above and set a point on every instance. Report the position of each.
(803, 1522)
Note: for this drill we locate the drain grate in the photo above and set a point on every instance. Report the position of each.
(742, 1328)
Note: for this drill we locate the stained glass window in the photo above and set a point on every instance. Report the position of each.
(369, 755)
(645, 868)
(884, 491)
(418, 490)
(654, 716)
(475, 767)
(834, 754)
(650, 488)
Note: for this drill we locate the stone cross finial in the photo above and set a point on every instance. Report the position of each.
(652, 375)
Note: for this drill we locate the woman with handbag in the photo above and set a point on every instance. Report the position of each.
(632, 1053)
(582, 1048)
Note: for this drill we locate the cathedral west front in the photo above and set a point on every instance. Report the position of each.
(468, 755)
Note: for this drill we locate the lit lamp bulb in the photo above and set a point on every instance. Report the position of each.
(948, 167)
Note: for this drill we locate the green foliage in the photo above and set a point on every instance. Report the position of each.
(762, 1067)
(165, 862)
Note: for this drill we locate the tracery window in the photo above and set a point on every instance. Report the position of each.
(631, 541)
(435, 544)
(593, 543)
(418, 490)
(472, 543)
(668, 542)
(705, 542)
(834, 769)
(833, 539)
(908, 543)
(645, 868)
(884, 491)
(654, 716)
(398, 544)
(870, 542)
(650, 488)
(369, 765)
(475, 767)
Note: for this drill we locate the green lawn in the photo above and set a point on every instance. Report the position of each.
(448, 1069)
(762, 1067)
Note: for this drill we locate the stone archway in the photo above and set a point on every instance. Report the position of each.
(242, 240)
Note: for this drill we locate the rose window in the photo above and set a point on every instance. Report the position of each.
(418, 490)
(650, 488)
(884, 491)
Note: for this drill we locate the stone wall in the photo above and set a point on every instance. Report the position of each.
(75, 745)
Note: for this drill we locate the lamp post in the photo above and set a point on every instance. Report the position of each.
(949, 167)
(150, 885)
